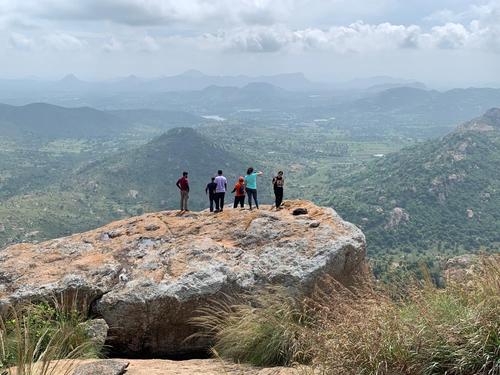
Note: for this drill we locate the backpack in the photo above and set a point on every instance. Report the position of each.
(241, 189)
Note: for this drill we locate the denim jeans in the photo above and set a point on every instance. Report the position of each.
(252, 193)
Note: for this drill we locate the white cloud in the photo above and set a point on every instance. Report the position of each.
(155, 12)
(112, 45)
(358, 37)
(20, 41)
(256, 39)
(256, 25)
(450, 36)
(64, 42)
(248, 34)
(149, 44)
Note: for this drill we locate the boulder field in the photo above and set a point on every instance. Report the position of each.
(147, 276)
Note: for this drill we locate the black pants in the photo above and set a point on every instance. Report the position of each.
(252, 193)
(219, 201)
(239, 200)
(211, 197)
(278, 195)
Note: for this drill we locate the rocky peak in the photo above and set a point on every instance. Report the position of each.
(146, 276)
(492, 117)
(487, 122)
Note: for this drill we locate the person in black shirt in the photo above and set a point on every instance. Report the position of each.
(278, 183)
(210, 190)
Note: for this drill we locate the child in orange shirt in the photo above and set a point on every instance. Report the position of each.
(239, 190)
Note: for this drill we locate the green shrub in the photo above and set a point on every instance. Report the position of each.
(34, 337)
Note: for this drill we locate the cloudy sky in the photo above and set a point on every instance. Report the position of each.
(440, 42)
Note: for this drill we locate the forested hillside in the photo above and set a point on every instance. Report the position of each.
(440, 195)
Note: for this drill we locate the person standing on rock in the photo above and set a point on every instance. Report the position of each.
(278, 184)
(183, 185)
(251, 186)
(239, 190)
(210, 190)
(220, 191)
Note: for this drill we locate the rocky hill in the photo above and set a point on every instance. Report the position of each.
(147, 275)
(146, 176)
(113, 187)
(442, 194)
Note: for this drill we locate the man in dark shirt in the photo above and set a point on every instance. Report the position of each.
(183, 185)
(278, 183)
(210, 190)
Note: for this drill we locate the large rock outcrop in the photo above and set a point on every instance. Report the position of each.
(147, 275)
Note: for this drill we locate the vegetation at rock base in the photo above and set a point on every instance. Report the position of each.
(38, 339)
(455, 330)
(265, 330)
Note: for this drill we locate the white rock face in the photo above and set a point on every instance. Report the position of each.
(398, 216)
(146, 276)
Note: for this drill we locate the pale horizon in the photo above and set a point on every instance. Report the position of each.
(440, 43)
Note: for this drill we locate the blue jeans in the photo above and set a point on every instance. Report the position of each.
(252, 193)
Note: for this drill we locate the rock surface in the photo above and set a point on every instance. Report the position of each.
(102, 367)
(146, 276)
(97, 331)
(461, 268)
(201, 367)
(188, 367)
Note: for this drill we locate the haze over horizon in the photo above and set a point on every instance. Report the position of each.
(441, 43)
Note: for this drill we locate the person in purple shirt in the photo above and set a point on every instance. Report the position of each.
(220, 191)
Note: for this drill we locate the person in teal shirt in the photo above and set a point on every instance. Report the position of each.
(251, 186)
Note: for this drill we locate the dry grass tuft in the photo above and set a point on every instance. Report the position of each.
(433, 331)
(366, 330)
(264, 330)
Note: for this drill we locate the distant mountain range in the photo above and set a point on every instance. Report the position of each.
(441, 195)
(378, 83)
(193, 80)
(41, 120)
(188, 81)
(50, 121)
(410, 112)
(455, 105)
